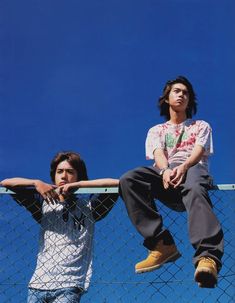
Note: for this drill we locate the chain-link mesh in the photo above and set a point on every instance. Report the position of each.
(117, 247)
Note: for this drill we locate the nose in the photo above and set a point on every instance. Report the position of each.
(64, 175)
(181, 93)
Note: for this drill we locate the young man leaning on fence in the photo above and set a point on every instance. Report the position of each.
(64, 261)
(179, 178)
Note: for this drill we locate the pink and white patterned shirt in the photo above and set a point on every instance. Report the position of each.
(178, 140)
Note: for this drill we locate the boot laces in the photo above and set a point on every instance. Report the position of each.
(209, 260)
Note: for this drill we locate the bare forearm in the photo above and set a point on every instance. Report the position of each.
(98, 183)
(13, 182)
(64, 189)
(160, 159)
(45, 190)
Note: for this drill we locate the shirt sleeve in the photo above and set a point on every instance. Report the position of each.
(204, 137)
(30, 200)
(154, 140)
(102, 204)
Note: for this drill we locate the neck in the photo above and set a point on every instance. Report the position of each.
(177, 117)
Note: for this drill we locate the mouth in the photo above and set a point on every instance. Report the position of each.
(180, 101)
(62, 183)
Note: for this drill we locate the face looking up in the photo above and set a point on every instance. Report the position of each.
(178, 98)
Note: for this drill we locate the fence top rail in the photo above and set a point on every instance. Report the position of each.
(224, 187)
(84, 190)
(106, 190)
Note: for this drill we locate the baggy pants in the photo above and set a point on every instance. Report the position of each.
(141, 186)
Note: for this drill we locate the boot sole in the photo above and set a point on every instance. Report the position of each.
(171, 258)
(205, 278)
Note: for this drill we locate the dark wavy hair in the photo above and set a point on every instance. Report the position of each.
(74, 159)
(164, 107)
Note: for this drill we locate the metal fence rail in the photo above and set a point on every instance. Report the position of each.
(117, 247)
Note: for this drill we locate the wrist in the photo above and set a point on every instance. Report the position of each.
(36, 182)
(162, 171)
(186, 166)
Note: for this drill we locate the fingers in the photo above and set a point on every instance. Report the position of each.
(175, 176)
(48, 198)
(64, 189)
(167, 178)
(178, 181)
(165, 185)
(62, 192)
(177, 184)
(173, 180)
(51, 196)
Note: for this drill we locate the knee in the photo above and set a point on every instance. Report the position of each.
(132, 177)
(195, 189)
(196, 194)
(125, 183)
(127, 178)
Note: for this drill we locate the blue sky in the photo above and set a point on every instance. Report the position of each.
(85, 76)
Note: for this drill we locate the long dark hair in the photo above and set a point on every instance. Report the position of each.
(164, 107)
(74, 159)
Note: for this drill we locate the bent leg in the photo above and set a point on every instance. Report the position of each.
(138, 188)
(205, 232)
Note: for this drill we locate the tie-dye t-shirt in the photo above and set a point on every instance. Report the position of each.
(178, 140)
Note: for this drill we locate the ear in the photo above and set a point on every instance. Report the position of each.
(166, 101)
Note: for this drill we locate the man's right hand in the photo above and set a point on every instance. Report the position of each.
(47, 191)
(166, 178)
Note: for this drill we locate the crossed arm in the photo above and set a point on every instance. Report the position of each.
(109, 182)
(101, 205)
(51, 192)
(47, 191)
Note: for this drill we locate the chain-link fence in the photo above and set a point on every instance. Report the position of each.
(117, 247)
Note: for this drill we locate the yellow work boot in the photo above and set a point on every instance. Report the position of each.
(206, 273)
(161, 254)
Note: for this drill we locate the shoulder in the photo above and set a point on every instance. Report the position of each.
(203, 124)
(198, 123)
(158, 127)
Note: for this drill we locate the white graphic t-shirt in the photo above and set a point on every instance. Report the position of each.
(65, 246)
(178, 140)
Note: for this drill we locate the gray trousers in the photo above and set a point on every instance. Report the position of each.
(141, 186)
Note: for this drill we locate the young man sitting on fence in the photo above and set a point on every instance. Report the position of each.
(64, 262)
(179, 178)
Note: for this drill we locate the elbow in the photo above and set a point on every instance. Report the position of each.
(4, 183)
(8, 183)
